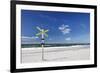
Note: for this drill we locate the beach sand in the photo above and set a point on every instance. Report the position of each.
(52, 54)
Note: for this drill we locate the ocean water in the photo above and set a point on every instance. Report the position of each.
(54, 45)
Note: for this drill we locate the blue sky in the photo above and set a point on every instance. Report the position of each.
(64, 27)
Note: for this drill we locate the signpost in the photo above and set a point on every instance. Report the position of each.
(42, 33)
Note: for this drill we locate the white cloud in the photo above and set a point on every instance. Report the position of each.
(63, 26)
(64, 29)
(26, 37)
(68, 39)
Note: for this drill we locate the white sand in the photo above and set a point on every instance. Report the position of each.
(71, 53)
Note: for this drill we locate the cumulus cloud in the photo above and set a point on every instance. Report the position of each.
(26, 37)
(68, 39)
(64, 29)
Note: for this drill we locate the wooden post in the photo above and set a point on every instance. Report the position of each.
(42, 45)
(42, 52)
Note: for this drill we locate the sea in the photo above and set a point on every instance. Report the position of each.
(54, 45)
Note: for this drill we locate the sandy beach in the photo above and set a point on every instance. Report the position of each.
(70, 53)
